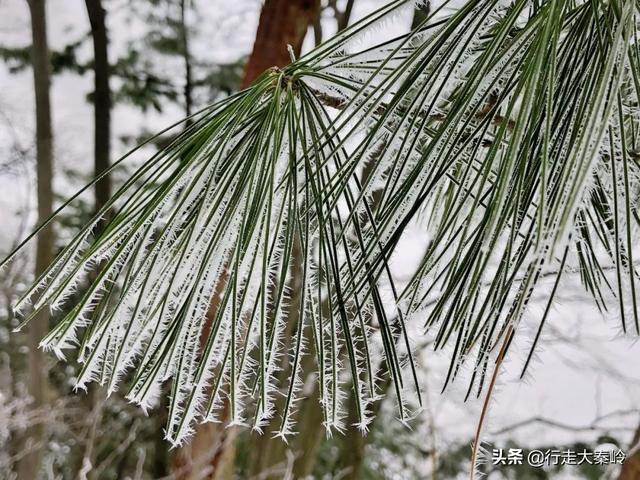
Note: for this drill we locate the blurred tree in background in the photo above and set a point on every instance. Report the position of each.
(56, 434)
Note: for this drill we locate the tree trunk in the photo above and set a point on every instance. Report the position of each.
(344, 16)
(310, 436)
(101, 101)
(631, 466)
(282, 23)
(93, 401)
(354, 443)
(29, 465)
(211, 453)
(267, 453)
(186, 56)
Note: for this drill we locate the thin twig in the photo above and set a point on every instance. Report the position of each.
(487, 399)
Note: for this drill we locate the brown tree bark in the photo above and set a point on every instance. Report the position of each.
(631, 466)
(211, 453)
(282, 23)
(311, 434)
(271, 457)
(101, 100)
(354, 443)
(35, 436)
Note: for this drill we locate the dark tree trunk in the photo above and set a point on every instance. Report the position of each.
(188, 81)
(310, 436)
(101, 100)
(282, 23)
(344, 16)
(631, 466)
(101, 162)
(29, 465)
(354, 443)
